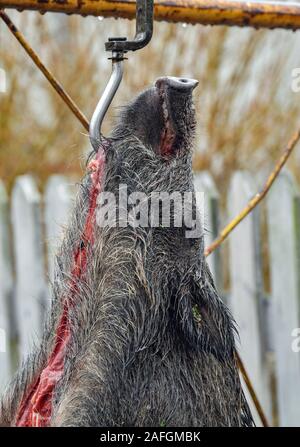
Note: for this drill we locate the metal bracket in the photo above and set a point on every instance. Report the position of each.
(144, 30)
(119, 46)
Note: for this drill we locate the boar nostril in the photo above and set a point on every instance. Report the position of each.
(181, 84)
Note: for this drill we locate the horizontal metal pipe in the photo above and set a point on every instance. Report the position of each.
(207, 12)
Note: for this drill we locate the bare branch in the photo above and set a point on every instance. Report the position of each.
(53, 81)
(258, 197)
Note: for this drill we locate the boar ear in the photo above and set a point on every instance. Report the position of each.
(202, 320)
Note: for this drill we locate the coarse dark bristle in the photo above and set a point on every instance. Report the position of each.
(151, 342)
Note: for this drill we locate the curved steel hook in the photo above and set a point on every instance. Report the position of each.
(104, 102)
(119, 46)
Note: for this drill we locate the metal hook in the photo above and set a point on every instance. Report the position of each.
(105, 100)
(119, 46)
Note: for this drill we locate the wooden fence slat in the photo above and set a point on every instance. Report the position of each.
(246, 294)
(29, 261)
(284, 260)
(58, 199)
(6, 284)
(204, 182)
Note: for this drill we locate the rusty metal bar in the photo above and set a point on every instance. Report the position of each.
(53, 81)
(257, 14)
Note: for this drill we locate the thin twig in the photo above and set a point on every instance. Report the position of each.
(53, 81)
(251, 390)
(232, 225)
(258, 197)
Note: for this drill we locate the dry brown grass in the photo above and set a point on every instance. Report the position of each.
(245, 107)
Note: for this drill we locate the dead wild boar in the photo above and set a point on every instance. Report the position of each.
(137, 334)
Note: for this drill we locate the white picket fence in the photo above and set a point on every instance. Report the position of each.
(31, 227)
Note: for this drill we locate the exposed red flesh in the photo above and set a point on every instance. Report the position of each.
(168, 135)
(166, 142)
(36, 407)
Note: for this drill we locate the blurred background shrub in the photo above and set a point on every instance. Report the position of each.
(246, 109)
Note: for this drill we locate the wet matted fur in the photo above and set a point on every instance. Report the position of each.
(151, 343)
